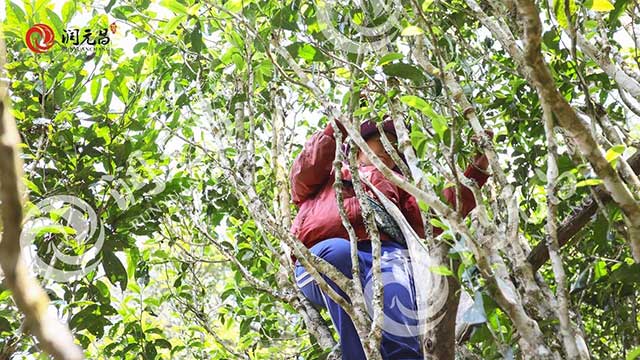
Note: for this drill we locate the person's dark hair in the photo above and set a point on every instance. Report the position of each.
(369, 128)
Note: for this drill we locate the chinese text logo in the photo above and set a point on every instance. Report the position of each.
(40, 38)
(74, 37)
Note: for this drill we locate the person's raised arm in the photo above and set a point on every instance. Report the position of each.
(312, 168)
(477, 171)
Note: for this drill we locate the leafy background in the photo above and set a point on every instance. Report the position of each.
(128, 117)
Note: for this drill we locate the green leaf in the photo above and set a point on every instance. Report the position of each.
(426, 4)
(109, 5)
(600, 268)
(139, 46)
(589, 182)
(14, 13)
(5, 325)
(54, 229)
(625, 273)
(96, 84)
(68, 10)
(439, 224)
(441, 270)
(438, 121)
(416, 102)
(162, 343)
(389, 58)
(103, 289)
(412, 30)
(114, 269)
(419, 142)
(196, 39)
(362, 111)
(305, 51)
(423, 206)
(174, 6)
(245, 326)
(620, 7)
(235, 6)
(614, 153)
(5, 294)
(171, 26)
(404, 71)
(561, 15)
(440, 125)
(31, 186)
(150, 351)
(634, 354)
(55, 20)
(601, 5)
(285, 18)
(107, 95)
(358, 17)
(123, 12)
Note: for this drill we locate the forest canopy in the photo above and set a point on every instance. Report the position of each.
(146, 148)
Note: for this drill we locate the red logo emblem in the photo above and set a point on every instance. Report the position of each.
(113, 27)
(41, 43)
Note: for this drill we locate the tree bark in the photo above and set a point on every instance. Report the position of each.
(53, 336)
(570, 227)
(568, 120)
(440, 343)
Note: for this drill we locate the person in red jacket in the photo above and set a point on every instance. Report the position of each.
(319, 227)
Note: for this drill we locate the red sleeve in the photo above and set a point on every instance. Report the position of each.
(468, 201)
(411, 211)
(312, 167)
(385, 186)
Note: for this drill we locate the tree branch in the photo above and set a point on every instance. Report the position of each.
(568, 119)
(569, 340)
(54, 337)
(576, 222)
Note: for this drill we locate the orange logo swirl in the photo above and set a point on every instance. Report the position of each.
(45, 41)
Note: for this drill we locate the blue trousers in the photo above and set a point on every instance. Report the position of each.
(399, 336)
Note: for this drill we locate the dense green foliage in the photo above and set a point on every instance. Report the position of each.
(124, 129)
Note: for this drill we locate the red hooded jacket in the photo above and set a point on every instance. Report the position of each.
(312, 190)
